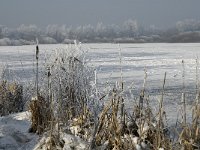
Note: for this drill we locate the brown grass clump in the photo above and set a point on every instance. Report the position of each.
(41, 115)
(114, 130)
(189, 138)
(11, 98)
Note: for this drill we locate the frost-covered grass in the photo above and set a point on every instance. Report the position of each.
(79, 108)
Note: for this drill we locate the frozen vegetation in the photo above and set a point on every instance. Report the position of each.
(156, 58)
(141, 113)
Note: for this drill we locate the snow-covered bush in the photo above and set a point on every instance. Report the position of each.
(65, 86)
(68, 41)
(47, 40)
(69, 80)
(5, 42)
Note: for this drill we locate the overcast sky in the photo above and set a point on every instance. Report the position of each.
(162, 13)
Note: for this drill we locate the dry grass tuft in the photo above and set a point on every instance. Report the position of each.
(11, 98)
(41, 115)
(189, 138)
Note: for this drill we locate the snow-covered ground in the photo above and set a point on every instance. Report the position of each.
(14, 132)
(14, 135)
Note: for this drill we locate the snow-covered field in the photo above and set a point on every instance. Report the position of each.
(156, 58)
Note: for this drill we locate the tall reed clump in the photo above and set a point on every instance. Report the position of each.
(64, 92)
(39, 107)
(69, 83)
(139, 129)
(189, 137)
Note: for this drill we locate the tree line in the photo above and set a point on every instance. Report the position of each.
(129, 32)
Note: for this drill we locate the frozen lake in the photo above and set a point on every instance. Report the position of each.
(156, 58)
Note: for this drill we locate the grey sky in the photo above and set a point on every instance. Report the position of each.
(162, 13)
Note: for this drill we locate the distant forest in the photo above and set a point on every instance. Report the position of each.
(129, 32)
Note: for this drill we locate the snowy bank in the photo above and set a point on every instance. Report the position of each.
(14, 132)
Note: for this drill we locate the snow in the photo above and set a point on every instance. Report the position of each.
(14, 132)
(157, 58)
(14, 135)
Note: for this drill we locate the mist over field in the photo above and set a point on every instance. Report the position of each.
(131, 31)
(113, 21)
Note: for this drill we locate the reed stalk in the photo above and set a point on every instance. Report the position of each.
(37, 72)
(183, 93)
